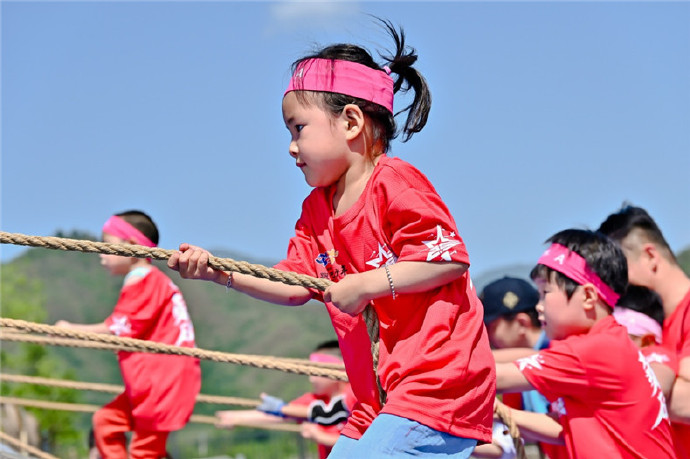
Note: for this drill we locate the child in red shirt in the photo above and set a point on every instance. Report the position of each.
(160, 390)
(377, 228)
(593, 373)
(323, 412)
(652, 264)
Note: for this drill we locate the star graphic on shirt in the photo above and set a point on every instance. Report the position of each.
(440, 247)
(533, 361)
(383, 257)
(657, 358)
(120, 326)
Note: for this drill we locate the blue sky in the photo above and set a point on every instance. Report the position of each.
(545, 115)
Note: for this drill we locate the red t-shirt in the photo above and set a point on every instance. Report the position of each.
(609, 401)
(435, 363)
(659, 354)
(162, 389)
(308, 398)
(676, 336)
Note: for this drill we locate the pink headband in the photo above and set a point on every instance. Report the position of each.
(637, 323)
(324, 358)
(344, 77)
(572, 265)
(118, 227)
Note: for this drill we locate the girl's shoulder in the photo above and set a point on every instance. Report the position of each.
(392, 172)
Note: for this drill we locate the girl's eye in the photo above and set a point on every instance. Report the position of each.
(299, 127)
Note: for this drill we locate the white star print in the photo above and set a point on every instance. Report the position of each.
(120, 325)
(440, 247)
(533, 361)
(383, 257)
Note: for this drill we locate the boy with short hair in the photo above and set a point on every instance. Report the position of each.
(592, 371)
(512, 320)
(652, 264)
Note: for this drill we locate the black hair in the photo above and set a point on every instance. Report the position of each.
(142, 222)
(400, 63)
(644, 300)
(620, 224)
(602, 255)
(330, 344)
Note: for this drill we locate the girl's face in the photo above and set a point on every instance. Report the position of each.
(318, 142)
(115, 264)
(561, 317)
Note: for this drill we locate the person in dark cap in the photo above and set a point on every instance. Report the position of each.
(510, 314)
(512, 320)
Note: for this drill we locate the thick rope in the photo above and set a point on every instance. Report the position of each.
(25, 447)
(85, 408)
(116, 389)
(160, 348)
(503, 413)
(224, 264)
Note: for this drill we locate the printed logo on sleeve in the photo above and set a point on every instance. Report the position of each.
(121, 325)
(182, 320)
(441, 246)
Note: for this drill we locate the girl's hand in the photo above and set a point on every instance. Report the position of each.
(192, 263)
(348, 294)
(63, 324)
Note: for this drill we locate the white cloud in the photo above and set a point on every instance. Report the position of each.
(287, 16)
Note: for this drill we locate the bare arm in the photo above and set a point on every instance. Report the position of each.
(192, 263)
(232, 418)
(512, 354)
(91, 328)
(355, 291)
(315, 433)
(510, 379)
(679, 401)
(538, 426)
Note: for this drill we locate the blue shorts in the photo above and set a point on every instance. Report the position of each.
(394, 436)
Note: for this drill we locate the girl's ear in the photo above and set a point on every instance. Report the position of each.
(353, 119)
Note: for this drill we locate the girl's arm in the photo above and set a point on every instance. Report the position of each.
(352, 293)
(192, 263)
(91, 328)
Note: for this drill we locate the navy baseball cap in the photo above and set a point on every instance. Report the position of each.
(507, 297)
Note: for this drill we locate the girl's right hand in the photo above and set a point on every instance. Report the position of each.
(192, 263)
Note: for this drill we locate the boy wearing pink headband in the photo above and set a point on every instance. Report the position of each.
(652, 264)
(377, 228)
(595, 377)
(160, 390)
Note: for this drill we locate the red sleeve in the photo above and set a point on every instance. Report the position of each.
(135, 312)
(303, 400)
(420, 225)
(555, 372)
(659, 354)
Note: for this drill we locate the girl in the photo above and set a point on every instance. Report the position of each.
(376, 227)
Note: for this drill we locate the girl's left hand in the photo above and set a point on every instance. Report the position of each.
(348, 294)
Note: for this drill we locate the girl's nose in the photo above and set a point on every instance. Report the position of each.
(292, 149)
